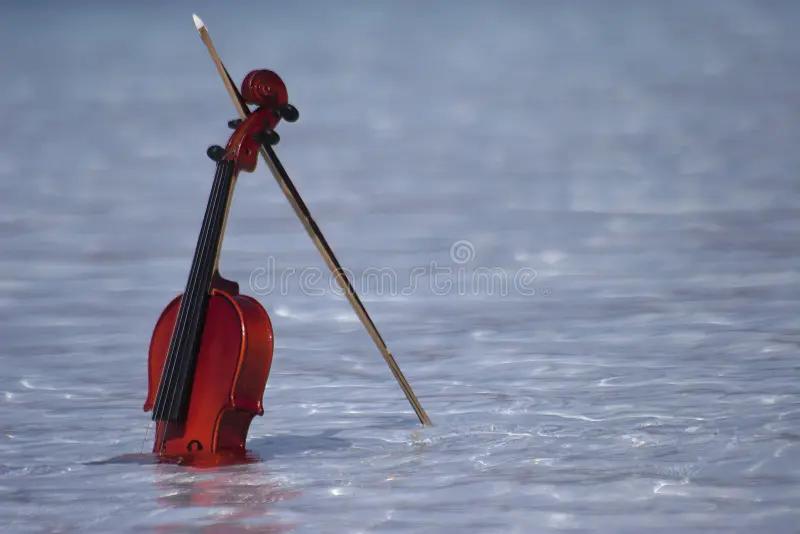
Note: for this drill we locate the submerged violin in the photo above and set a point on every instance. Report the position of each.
(211, 349)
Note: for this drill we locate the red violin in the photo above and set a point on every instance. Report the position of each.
(211, 349)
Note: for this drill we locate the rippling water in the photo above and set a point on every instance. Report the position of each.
(640, 159)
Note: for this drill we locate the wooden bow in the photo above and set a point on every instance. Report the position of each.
(302, 212)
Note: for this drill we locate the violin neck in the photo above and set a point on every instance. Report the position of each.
(209, 241)
(174, 389)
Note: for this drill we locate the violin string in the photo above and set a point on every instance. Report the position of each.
(205, 273)
(174, 352)
(189, 300)
(186, 300)
(225, 178)
(178, 330)
(189, 342)
(188, 305)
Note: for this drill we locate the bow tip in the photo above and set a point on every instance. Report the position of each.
(198, 22)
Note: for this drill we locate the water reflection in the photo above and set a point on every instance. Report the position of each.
(237, 494)
(230, 499)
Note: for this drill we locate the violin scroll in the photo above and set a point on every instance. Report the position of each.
(266, 90)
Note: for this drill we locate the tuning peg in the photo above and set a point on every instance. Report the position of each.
(288, 113)
(268, 137)
(215, 152)
(234, 123)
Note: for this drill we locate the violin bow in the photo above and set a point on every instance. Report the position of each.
(302, 212)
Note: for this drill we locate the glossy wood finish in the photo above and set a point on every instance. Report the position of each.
(233, 365)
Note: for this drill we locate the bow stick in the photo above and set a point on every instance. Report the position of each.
(301, 210)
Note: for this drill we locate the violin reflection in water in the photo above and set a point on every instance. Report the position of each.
(235, 500)
(211, 349)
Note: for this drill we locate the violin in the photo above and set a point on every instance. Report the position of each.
(211, 349)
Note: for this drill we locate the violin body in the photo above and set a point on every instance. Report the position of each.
(233, 363)
(211, 349)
